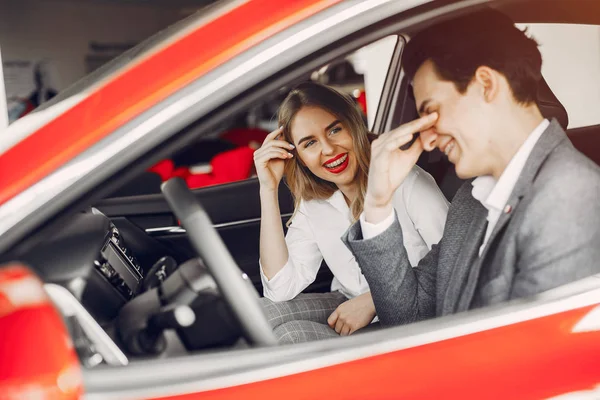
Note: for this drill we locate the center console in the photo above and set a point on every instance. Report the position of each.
(119, 266)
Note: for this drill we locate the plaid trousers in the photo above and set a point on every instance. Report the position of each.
(304, 318)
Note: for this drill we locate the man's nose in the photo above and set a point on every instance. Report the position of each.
(429, 139)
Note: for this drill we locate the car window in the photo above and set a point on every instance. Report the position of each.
(571, 66)
(227, 155)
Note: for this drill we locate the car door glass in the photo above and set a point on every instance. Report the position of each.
(227, 155)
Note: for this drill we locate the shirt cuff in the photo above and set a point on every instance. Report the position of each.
(273, 288)
(370, 230)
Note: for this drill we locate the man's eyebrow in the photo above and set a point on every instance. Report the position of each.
(331, 125)
(424, 106)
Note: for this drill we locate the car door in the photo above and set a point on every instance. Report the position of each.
(36, 331)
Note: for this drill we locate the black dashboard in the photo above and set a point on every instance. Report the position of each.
(96, 260)
(89, 256)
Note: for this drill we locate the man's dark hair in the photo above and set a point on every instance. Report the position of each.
(489, 38)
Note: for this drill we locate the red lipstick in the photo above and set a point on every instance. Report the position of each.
(334, 159)
(338, 168)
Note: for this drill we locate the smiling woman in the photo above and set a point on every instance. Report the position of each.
(325, 126)
(327, 176)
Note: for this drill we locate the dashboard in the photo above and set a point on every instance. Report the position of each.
(109, 298)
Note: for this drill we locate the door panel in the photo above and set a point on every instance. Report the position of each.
(234, 209)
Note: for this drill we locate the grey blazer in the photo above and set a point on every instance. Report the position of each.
(549, 237)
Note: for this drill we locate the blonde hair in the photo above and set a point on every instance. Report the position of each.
(303, 184)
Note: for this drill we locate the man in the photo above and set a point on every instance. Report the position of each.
(530, 219)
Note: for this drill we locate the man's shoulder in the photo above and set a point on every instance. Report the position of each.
(566, 186)
(568, 169)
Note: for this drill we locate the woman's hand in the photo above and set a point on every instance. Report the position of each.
(353, 314)
(269, 159)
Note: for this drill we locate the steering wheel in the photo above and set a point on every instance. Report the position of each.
(234, 285)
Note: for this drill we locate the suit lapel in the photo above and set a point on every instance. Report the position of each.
(466, 258)
(552, 136)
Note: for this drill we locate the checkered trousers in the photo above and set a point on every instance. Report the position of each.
(304, 318)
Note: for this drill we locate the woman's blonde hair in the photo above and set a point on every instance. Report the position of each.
(303, 184)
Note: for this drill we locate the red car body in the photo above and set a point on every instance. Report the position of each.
(537, 352)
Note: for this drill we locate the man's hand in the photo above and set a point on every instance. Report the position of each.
(353, 314)
(390, 165)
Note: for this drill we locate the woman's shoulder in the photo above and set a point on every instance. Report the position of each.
(320, 208)
(417, 180)
(415, 174)
(311, 212)
(307, 206)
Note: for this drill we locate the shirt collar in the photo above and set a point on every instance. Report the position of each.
(494, 195)
(338, 202)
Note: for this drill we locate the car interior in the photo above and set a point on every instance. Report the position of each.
(141, 275)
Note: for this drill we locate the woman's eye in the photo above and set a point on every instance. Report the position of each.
(335, 130)
(309, 143)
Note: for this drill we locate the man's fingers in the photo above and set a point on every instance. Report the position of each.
(339, 325)
(395, 142)
(404, 133)
(414, 151)
(419, 124)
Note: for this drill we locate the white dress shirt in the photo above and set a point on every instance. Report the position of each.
(318, 225)
(494, 195)
(491, 194)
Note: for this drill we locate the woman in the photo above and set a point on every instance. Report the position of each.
(322, 147)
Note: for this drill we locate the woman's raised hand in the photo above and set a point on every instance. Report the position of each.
(269, 159)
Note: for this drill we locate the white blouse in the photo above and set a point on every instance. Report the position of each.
(315, 232)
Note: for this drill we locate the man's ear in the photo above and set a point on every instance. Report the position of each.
(489, 81)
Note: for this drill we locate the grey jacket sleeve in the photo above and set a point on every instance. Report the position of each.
(401, 293)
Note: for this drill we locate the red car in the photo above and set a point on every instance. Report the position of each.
(79, 309)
